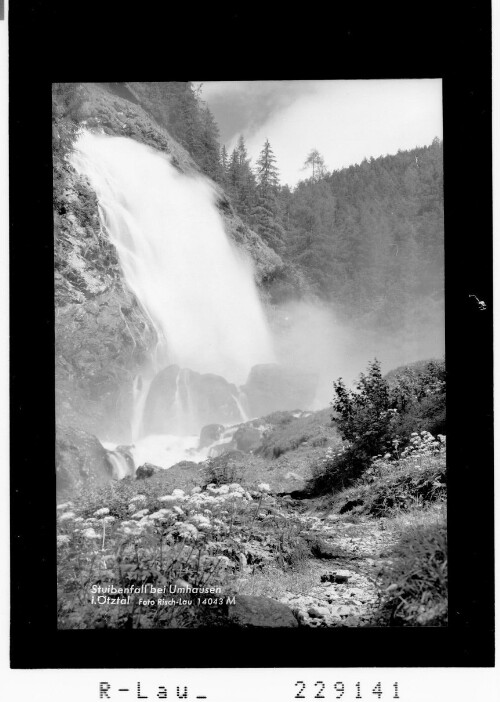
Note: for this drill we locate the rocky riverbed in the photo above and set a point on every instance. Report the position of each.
(338, 585)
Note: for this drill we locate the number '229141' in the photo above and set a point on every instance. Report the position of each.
(337, 690)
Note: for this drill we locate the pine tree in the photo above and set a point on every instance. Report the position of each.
(267, 172)
(266, 216)
(241, 180)
(317, 163)
(207, 151)
(224, 161)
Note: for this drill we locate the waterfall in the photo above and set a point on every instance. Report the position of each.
(121, 467)
(196, 287)
(239, 404)
(140, 389)
(194, 284)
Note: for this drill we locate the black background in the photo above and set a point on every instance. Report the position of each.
(104, 42)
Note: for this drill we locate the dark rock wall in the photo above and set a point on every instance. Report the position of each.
(80, 460)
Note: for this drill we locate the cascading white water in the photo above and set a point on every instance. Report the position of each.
(195, 286)
(140, 389)
(120, 466)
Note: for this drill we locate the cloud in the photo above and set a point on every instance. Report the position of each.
(246, 106)
(346, 121)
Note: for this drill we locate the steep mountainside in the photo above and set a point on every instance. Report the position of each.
(102, 334)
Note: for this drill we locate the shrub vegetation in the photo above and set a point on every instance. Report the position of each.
(414, 588)
(378, 418)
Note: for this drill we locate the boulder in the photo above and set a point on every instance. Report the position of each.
(318, 612)
(259, 611)
(209, 434)
(81, 459)
(272, 387)
(146, 471)
(334, 578)
(214, 399)
(159, 410)
(247, 438)
(180, 401)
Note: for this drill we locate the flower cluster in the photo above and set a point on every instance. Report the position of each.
(424, 444)
(333, 452)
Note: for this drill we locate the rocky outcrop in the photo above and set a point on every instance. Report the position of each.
(80, 460)
(209, 434)
(271, 387)
(102, 336)
(180, 401)
(146, 471)
(258, 611)
(247, 438)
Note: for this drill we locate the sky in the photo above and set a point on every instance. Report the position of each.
(346, 121)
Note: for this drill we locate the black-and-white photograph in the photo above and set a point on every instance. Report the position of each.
(249, 340)
(250, 371)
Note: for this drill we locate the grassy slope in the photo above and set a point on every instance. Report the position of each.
(272, 536)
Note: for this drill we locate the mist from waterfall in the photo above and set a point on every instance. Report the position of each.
(195, 286)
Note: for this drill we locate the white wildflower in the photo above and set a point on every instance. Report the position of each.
(195, 490)
(200, 520)
(90, 534)
(162, 514)
(138, 497)
(66, 516)
(62, 539)
(263, 487)
(187, 531)
(144, 522)
(140, 514)
(179, 510)
(108, 520)
(167, 498)
(65, 505)
(178, 492)
(101, 512)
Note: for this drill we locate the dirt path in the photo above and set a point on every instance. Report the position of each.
(348, 594)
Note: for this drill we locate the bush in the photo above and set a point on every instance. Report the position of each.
(365, 417)
(418, 393)
(339, 470)
(224, 469)
(414, 588)
(379, 418)
(418, 478)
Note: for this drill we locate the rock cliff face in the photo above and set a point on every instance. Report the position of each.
(182, 401)
(102, 335)
(80, 459)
